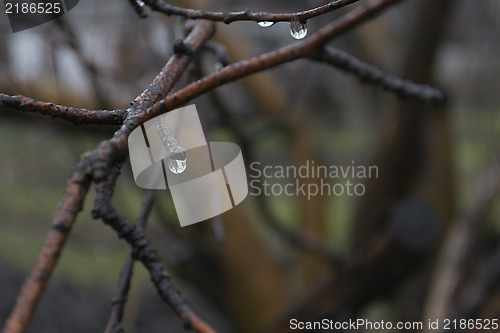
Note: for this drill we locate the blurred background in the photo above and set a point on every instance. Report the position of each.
(420, 243)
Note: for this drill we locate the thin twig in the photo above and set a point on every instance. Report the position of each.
(120, 297)
(148, 256)
(245, 15)
(368, 73)
(73, 115)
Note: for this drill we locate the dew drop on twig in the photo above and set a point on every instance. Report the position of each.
(265, 24)
(298, 30)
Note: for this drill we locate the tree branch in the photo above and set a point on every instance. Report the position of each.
(245, 15)
(72, 203)
(368, 73)
(120, 297)
(148, 256)
(73, 115)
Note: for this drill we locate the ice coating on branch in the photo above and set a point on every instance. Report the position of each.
(177, 154)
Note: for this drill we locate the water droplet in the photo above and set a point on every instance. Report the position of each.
(140, 3)
(298, 30)
(177, 154)
(176, 166)
(265, 24)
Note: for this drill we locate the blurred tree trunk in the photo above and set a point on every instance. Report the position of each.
(414, 157)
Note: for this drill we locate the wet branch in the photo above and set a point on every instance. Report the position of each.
(71, 204)
(142, 251)
(245, 15)
(148, 256)
(120, 297)
(368, 73)
(73, 115)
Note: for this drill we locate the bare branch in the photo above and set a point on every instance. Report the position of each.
(165, 80)
(120, 297)
(245, 15)
(148, 256)
(368, 73)
(72, 203)
(73, 115)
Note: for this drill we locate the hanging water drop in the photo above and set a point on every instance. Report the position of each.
(265, 24)
(177, 155)
(176, 166)
(298, 30)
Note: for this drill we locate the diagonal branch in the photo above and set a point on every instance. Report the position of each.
(141, 250)
(148, 256)
(245, 15)
(368, 73)
(120, 297)
(72, 203)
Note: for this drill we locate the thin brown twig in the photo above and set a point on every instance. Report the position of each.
(73, 115)
(148, 256)
(368, 73)
(120, 297)
(246, 15)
